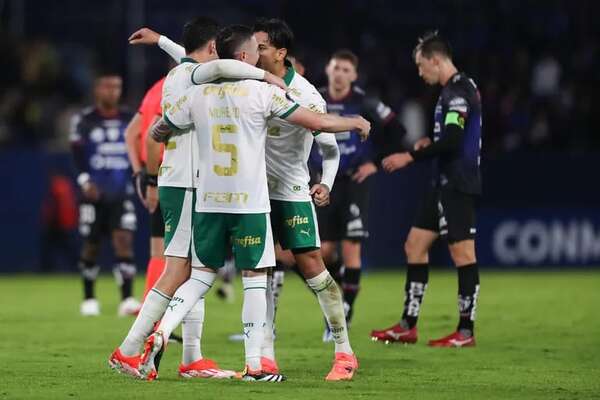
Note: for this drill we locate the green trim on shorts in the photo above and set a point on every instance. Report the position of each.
(294, 224)
(215, 232)
(171, 204)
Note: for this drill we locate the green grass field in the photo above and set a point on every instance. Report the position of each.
(538, 338)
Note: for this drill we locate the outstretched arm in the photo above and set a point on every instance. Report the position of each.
(149, 37)
(329, 122)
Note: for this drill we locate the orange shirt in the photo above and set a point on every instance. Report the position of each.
(149, 109)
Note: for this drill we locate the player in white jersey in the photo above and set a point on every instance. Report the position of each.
(176, 195)
(230, 120)
(292, 213)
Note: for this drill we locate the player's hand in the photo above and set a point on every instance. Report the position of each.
(275, 80)
(151, 198)
(422, 143)
(144, 36)
(90, 192)
(138, 179)
(363, 172)
(396, 161)
(320, 194)
(364, 127)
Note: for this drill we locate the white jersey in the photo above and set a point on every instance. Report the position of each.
(288, 145)
(230, 120)
(178, 164)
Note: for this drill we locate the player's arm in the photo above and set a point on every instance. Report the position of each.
(149, 37)
(331, 160)
(153, 150)
(77, 139)
(279, 104)
(232, 69)
(387, 139)
(132, 140)
(450, 142)
(328, 122)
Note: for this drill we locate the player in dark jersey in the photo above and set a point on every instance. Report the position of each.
(345, 220)
(449, 207)
(100, 154)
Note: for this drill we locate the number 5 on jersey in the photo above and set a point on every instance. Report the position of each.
(221, 147)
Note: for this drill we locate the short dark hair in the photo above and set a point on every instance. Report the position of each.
(345, 54)
(198, 32)
(231, 38)
(106, 72)
(279, 32)
(432, 42)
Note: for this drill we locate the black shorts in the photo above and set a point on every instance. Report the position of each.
(448, 212)
(346, 217)
(157, 223)
(101, 218)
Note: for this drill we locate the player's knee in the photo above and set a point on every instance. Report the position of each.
(310, 264)
(412, 247)
(462, 253)
(89, 251)
(122, 244)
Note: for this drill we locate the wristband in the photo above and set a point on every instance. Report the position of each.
(151, 180)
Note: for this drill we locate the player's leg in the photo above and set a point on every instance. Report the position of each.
(355, 216)
(275, 278)
(351, 256)
(420, 239)
(459, 217)
(210, 240)
(158, 298)
(298, 230)
(254, 252)
(156, 264)
(122, 224)
(89, 228)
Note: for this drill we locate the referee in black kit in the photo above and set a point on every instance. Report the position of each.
(448, 209)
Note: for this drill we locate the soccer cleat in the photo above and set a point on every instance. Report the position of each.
(261, 376)
(150, 360)
(129, 306)
(128, 365)
(343, 368)
(455, 339)
(395, 334)
(269, 366)
(90, 308)
(204, 368)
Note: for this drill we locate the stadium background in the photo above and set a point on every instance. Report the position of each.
(536, 67)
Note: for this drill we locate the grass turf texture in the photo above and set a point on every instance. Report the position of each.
(538, 338)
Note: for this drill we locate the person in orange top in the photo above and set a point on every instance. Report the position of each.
(135, 136)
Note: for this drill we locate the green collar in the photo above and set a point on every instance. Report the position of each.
(289, 75)
(188, 59)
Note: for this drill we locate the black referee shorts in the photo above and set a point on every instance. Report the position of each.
(448, 212)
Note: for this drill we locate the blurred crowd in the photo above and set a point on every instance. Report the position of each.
(535, 63)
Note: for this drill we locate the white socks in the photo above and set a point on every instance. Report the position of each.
(254, 316)
(191, 329)
(184, 299)
(152, 310)
(332, 305)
